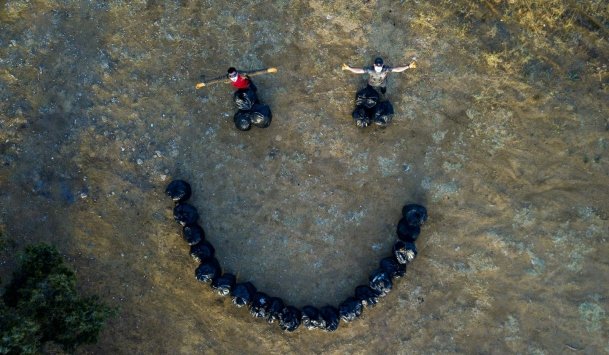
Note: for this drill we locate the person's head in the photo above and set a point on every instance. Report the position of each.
(378, 64)
(232, 74)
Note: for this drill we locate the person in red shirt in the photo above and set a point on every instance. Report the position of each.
(239, 80)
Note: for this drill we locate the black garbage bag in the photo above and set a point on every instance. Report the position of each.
(185, 214)
(380, 281)
(208, 271)
(361, 116)
(202, 251)
(245, 98)
(311, 319)
(261, 115)
(193, 233)
(367, 97)
(289, 319)
(404, 252)
(367, 296)
(415, 214)
(275, 308)
(243, 294)
(178, 190)
(224, 284)
(407, 232)
(350, 309)
(383, 113)
(331, 317)
(243, 120)
(260, 305)
(392, 267)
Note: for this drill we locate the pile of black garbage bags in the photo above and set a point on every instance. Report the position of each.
(274, 309)
(370, 109)
(251, 111)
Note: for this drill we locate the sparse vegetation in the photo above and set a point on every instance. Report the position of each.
(535, 39)
(505, 113)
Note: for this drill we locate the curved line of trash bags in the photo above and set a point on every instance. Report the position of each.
(273, 309)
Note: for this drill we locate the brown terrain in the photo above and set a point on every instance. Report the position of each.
(502, 132)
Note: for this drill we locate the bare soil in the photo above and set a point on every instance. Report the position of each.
(502, 132)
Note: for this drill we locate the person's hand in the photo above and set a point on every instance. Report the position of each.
(345, 67)
(412, 65)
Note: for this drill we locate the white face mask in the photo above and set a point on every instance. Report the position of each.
(378, 69)
(233, 78)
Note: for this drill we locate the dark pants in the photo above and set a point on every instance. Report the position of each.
(381, 89)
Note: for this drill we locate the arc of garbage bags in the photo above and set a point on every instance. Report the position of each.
(274, 309)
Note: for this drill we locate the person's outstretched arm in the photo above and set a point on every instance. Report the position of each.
(212, 81)
(353, 70)
(258, 71)
(401, 69)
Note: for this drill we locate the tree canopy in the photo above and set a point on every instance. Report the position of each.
(40, 304)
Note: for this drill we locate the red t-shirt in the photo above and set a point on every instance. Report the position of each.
(241, 82)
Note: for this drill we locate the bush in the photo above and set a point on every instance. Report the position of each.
(41, 304)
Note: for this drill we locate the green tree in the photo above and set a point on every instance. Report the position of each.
(41, 304)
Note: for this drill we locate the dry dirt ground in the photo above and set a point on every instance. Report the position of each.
(502, 132)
